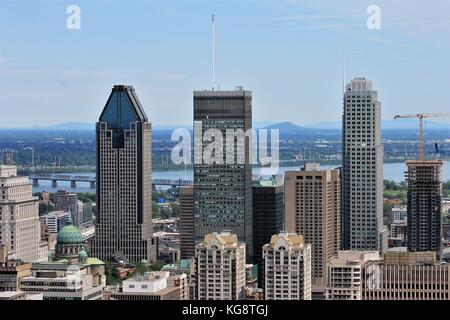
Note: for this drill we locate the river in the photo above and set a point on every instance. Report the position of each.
(392, 171)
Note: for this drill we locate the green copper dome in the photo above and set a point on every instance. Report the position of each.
(82, 255)
(69, 234)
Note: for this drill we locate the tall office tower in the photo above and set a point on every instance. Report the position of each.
(65, 201)
(20, 227)
(287, 266)
(313, 209)
(223, 192)
(124, 218)
(268, 215)
(424, 203)
(187, 242)
(7, 157)
(362, 171)
(345, 274)
(220, 263)
(403, 275)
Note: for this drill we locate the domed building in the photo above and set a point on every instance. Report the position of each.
(70, 244)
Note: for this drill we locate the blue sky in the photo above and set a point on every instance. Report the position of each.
(288, 52)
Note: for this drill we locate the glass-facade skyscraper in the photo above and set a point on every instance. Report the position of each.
(123, 226)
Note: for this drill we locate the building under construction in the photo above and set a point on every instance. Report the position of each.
(424, 180)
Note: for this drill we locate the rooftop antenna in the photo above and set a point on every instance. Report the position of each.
(344, 58)
(213, 50)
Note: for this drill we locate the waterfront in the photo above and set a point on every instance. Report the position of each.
(392, 171)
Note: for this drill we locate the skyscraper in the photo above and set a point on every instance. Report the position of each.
(268, 215)
(20, 227)
(123, 225)
(220, 267)
(362, 172)
(287, 267)
(313, 209)
(424, 205)
(187, 243)
(223, 191)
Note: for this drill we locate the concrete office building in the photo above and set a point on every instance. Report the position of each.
(362, 171)
(55, 220)
(220, 267)
(399, 213)
(287, 266)
(187, 227)
(345, 275)
(403, 275)
(124, 220)
(11, 271)
(223, 192)
(158, 285)
(424, 200)
(66, 201)
(313, 209)
(268, 216)
(20, 228)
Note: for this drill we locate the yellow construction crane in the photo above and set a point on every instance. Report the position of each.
(421, 116)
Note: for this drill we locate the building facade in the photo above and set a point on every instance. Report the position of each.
(66, 201)
(313, 209)
(159, 285)
(220, 267)
(20, 228)
(187, 227)
(362, 171)
(223, 190)
(424, 201)
(268, 216)
(124, 218)
(11, 271)
(55, 220)
(287, 267)
(406, 275)
(345, 274)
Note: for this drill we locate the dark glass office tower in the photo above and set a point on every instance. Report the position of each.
(424, 199)
(187, 243)
(223, 192)
(268, 217)
(123, 225)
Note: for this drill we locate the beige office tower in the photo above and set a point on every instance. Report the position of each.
(220, 263)
(20, 227)
(124, 218)
(313, 209)
(345, 274)
(406, 275)
(362, 169)
(287, 268)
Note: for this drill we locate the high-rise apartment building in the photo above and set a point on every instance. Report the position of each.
(313, 209)
(220, 267)
(345, 274)
(124, 218)
(362, 171)
(268, 215)
(187, 228)
(424, 201)
(223, 190)
(287, 267)
(20, 227)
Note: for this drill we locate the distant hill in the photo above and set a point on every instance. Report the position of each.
(289, 127)
(401, 124)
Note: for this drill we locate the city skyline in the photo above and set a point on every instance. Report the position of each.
(273, 34)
